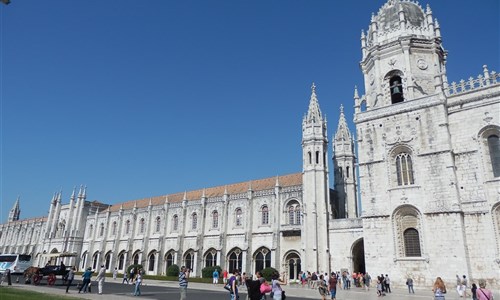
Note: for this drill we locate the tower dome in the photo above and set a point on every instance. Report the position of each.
(397, 18)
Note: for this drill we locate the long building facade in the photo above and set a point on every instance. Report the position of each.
(418, 198)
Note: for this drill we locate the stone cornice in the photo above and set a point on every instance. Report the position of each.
(412, 105)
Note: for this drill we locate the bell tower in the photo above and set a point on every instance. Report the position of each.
(316, 195)
(402, 55)
(344, 162)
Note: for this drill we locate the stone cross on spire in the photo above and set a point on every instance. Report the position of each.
(314, 113)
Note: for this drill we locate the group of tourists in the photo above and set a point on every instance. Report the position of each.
(481, 293)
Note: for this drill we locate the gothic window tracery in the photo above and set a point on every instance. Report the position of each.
(235, 260)
(127, 227)
(142, 225)
(175, 223)
(238, 217)
(189, 259)
(403, 166)
(215, 219)
(494, 149)
(121, 260)
(151, 261)
(262, 258)
(194, 221)
(169, 259)
(211, 258)
(158, 224)
(294, 212)
(113, 228)
(135, 257)
(265, 215)
(407, 226)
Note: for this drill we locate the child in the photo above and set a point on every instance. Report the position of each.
(379, 288)
(474, 289)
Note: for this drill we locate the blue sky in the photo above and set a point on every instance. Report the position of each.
(144, 98)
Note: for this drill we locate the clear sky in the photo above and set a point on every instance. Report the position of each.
(144, 98)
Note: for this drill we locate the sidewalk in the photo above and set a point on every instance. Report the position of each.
(291, 291)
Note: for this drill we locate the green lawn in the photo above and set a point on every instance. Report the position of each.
(18, 294)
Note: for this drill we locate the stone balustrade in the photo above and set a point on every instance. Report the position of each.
(482, 80)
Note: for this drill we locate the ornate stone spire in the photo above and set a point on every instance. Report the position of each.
(343, 133)
(15, 211)
(313, 113)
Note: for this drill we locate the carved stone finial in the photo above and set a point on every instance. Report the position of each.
(428, 9)
(341, 108)
(356, 95)
(313, 88)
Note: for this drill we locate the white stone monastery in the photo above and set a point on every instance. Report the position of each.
(426, 174)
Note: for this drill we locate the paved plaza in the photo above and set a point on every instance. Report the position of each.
(155, 289)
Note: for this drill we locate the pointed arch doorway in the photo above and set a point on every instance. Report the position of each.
(358, 256)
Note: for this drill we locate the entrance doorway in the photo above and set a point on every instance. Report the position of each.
(358, 257)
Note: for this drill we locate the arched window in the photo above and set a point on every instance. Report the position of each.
(293, 263)
(215, 219)
(310, 157)
(107, 260)
(135, 257)
(262, 258)
(211, 258)
(169, 259)
(238, 217)
(291, 215)
(494, 149)
(121, 260)
(141, 225)
(235, 260)
(412, 243)
(407, 222)
(95, 259)
(404, 169)
(151, 261)
(265, 215)
(347, 172)
(194, 221)
(188, 259)
(317, 157)
(158, 224)
(294, 211)
(396, 86)
(175, 223)
(127, 227)
(363, 105)
(101, 229)
(113, 228)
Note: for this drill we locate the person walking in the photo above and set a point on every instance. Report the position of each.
(482, 292)
(138, 282)
(233, 292)
(9, 279)
(125, 278)
(86, 280)
(322, 287)
(276, 285)
(463, 286)
(100, 279)
(115, 273)
(474, 291)
(215, 276)
(224, 277)
(439, 289)
(332, 285)
(387, 282)
(409, 283)
(367, 279)
(183, 282)
(69, 278)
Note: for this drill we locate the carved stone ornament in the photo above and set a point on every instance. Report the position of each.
(392, 62)
(372, 79)
(422, 64)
